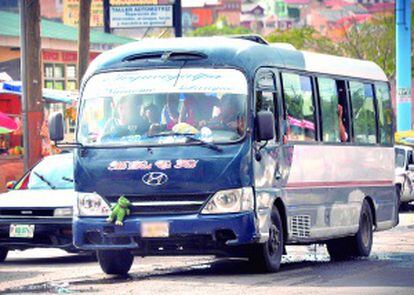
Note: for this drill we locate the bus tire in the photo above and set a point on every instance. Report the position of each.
(358, 245)
(115, 262)
(398, 191)
(266, 257)
(3, 253)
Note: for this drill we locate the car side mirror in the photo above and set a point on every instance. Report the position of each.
(56, 130)
(411, 167)
(265, 125)
(11, 184)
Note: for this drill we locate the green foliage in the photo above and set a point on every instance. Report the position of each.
(219, 28)
(305, 38)
(373, 40)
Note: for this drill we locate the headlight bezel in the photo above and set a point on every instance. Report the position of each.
(243, 199)
(91, 205)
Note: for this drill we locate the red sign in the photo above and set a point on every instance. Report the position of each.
(64, 56)
(69, 56)
(50, 55)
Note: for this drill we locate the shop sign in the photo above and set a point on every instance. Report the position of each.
(71, 13)
(133, 2)
(141, 16)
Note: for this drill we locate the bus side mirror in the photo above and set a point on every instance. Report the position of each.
(265, 125)
(10, 184)
(56, 127)
(411, 167)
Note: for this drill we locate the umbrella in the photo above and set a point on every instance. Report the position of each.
(7, 124)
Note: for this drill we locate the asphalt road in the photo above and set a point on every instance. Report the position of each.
(305, 270)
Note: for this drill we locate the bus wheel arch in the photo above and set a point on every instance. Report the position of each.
(280, 206)
(373, 211)
(358, 245)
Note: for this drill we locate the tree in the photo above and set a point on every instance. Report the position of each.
(219, 28)
(373, 40)
(306, 38)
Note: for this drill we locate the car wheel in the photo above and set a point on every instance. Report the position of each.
(3, 253)
(358, 245)
(266, 257)
(115, 262)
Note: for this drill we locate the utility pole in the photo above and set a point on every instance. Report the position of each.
(403, 60)
(32, 104)
(83, 38)
(177, 18)
(106, 11)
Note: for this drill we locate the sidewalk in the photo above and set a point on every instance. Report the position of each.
(10, 170)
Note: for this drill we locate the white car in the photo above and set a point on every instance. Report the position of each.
(404, 174)
(37, 210)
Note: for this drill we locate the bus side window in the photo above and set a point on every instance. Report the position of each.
(330, 116)
(363, 112)
(266, 95)
(299, 107)
(385, 113)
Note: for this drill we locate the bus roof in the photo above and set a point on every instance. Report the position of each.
(234, 52)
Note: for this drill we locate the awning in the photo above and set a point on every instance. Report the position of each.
(49, 95)
(7, 124)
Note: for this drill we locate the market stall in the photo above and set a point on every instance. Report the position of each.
(11, 143)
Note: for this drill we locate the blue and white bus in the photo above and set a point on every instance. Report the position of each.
(231, 146)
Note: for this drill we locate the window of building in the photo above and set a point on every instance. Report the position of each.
(298, 97)
(363, 112)
(385, 113)
(329, 101)
(60, 76)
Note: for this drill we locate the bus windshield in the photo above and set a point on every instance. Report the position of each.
(163, 106)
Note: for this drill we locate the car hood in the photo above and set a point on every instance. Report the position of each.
(38, 198)
(189, 169)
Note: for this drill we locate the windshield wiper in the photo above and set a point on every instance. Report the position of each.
(207, 144)
(42, 178)
(67, 179)
(190, 138)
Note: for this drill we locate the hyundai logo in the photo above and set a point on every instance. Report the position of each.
(154, 178)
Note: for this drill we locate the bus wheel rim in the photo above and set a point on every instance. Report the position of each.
(274, 241)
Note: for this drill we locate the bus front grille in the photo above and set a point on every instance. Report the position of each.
(165, 204)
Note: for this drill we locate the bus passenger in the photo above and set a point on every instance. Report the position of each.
(343, 136)
(170, 113)
(126, 120)
(231, 115)
(197, 107)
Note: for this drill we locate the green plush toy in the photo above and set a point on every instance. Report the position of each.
(119, 211)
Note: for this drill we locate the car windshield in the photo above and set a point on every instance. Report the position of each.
(399, 158)
(163, 106)
(55, 172)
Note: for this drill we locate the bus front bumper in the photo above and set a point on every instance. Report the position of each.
(187, 234)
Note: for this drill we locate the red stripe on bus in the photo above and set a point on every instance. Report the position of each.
(340, 184)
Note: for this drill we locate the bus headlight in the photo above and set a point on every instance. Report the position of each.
(92, 204)
(230, 201)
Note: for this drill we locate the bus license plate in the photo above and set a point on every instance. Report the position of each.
(155, 229)
(22, 230)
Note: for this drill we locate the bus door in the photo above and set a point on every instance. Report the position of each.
(266, 162)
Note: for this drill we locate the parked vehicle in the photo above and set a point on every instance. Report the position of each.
(404, 174)
(230, 146)
(37, 210)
